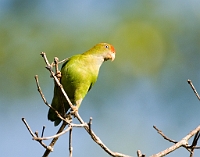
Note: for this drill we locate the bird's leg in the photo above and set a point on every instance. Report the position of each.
(77, 105)
(73, 111)
(58, 75)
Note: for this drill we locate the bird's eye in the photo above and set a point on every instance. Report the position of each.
(107, 46)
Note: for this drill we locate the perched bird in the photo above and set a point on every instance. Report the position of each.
(78, 75)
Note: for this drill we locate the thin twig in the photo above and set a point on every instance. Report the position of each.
(46, 153)
(139, 154)
(70, 143)
(45, 101)
(62, 61)
(28, 127)
(97, 139)
(193, 88)
(90, 124)
(196, 138)
(54, 136)
(39, 139)
(182, 143)
(45, 58)
(59, 62)
(65, 121)
(61, 133)
(34, 136)
(164, 136)
(194, 143)
(43, 128)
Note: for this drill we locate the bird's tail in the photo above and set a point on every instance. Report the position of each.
(57, 104)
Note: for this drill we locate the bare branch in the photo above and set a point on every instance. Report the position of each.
(181, 143)
(194, 143)
(139, 154)
(45, 58)
(87, 126)
(45, 101)
(98, 141)
(70, 143)
(54, 136)
(193, 88)
(61, 133)
(35, 136)
(64, 60)
(90, 124)
(43, 128)
(165, 137)
(28, 127)
(92, 134)
(46, 153)
(59, 62)
(65, 121)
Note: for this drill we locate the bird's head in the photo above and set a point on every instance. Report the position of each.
(104, 50)
(107, 50)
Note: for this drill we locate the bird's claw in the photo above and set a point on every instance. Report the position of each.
(58, 74)
(74, 110)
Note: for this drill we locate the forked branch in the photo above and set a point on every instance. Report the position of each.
(87, 126)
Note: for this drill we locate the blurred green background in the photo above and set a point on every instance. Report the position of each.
(157, 49)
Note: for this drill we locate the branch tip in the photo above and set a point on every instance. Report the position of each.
(90, 121)
(43, 128)
(193, 88)
(139, 153)
(36, 77)
(56, 60)
(189, 81)
(42, 54)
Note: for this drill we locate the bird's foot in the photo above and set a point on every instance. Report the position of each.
(58, 74)
(74, 110)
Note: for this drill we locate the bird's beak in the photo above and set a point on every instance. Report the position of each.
(112, 56)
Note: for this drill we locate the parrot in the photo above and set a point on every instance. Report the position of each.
(78, 75)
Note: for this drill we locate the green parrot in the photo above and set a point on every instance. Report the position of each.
(78, 75)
